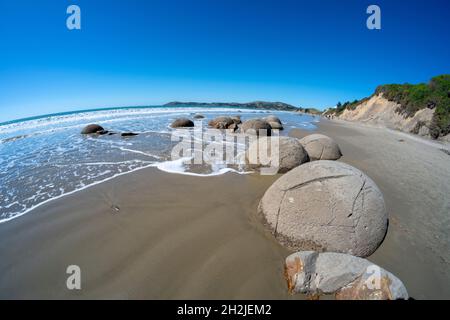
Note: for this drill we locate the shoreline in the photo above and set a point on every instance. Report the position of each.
(434, 143)
(153, 234)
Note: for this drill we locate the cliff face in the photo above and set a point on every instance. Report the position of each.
(422, 108)
(381, 112)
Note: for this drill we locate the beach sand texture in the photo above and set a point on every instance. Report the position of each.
(156, 235)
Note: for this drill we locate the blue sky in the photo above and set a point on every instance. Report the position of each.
(148, 52)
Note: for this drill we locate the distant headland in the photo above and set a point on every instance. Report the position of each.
(280, 106)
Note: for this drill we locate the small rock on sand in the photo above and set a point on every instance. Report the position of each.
(346, 276)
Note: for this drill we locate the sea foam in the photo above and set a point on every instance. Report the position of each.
(46, 158)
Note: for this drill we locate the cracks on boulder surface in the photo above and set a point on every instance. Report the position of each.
(278, 214)
(321, 154)
(356, 198)
(310, 270)
(315, 180)
(355, 225)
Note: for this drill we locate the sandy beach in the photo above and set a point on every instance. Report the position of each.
(155, 235)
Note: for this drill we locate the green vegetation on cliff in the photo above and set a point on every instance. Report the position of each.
(414, 97)
(350, 105)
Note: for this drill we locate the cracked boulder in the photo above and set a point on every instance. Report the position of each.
(326, 206)
(284, 153)
(345, 276)
(321, 147)
(256, 127)
(222, 123)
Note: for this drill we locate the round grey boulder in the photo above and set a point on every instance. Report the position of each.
(236, 119)
(256, 127)
(92, 128)
(221, 122)
(182, 123)
(284, 153)
(346, 276)
(276, 125)
(321, 147)
(272, 119)
(326, 206)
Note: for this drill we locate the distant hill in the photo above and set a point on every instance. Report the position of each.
(280, 106)
(422, 108)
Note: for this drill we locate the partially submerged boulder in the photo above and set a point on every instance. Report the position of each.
(285, 153)
(256, 127)
(236, 119)
(346, 276)
(128, 134)
(321, 147)
(221, 122)
(182, 123)
(275, 122)
(272, 119)
(326, 206)
(93, 128)
(198, 116)
(276, 125)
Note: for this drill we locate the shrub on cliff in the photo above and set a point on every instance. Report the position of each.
(412, 98)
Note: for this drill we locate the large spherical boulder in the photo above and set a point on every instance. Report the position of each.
(253, 126)
(272, 119)
(182, 123)
(276, 125)
(221, 122)
(92, 128)
(275, 122)
(326, 206)
(321, 147)
(283, 152)
(346, 276)
(236, 119)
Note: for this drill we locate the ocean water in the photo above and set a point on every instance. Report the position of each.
(45, 158)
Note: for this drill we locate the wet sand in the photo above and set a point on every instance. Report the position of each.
(155, 235)
(174, 236)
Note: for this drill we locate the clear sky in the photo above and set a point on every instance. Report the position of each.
(148, 52)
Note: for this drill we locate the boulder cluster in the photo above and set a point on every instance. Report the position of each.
(95, 129)
(259, 126)
(333, 214)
